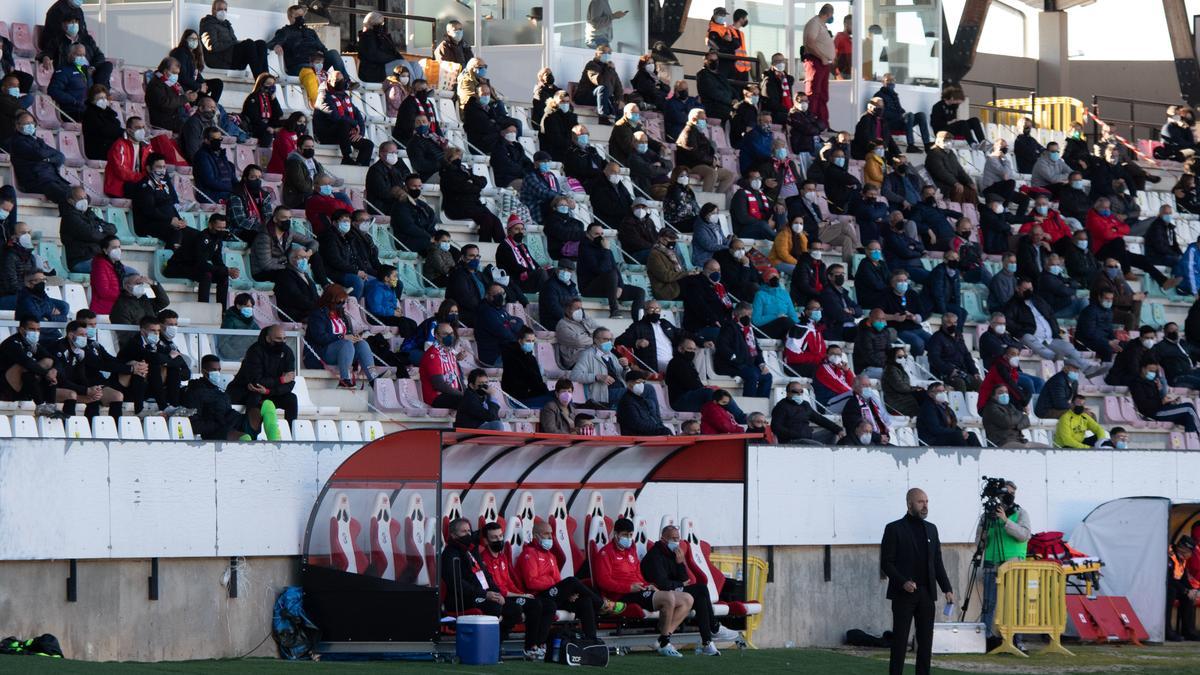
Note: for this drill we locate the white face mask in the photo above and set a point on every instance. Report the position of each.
(740, 253)
(998, 207)
(221, 15)
(614, 178)
(638, 388)
(139, 135)
(1000, 329)
(169, 332)
(511, 137)
(102, 103)
(683, 179)
(82, 204)
(577, 315)
(639, 213)
(391, 158)
(865, 439)
(797, 227)
(812, 196)
(1014, 361)
(941, 397)
(755, 184)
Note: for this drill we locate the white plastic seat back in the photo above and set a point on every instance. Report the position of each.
(104, 427)
(302, 430)
(51, 427)
(688, 533)
(5, 427)
(78, 427)
(327, 431)
(181, 429)
(350, 431)
(156, 429)
(24, 426)
(371, 430)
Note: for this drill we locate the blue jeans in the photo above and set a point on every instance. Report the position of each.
(640, 256)
(604, 101)
(785, 268)
(912, 120)
(537, 401)
(353, 283)
(755, 383)
(1189, 380)
(915, 339)
(1030, 385)
(987, 613)
(1072, 310)
(344, 353)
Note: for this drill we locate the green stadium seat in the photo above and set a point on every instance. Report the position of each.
(235, 261)
(120, 219)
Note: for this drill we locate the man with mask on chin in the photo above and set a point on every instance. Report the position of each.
(664, 565)
(537, 572)
(911, 558)
(470, 586)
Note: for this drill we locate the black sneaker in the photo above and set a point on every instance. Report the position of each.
(915, 149)
(1172, 636)
(605, 121)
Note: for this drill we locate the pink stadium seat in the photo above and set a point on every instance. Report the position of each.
(134, 83)
(410, 400)
(415, 310)
(42, 74)
(45, 112)
(1113, 411)
(135, 108)
(71, 174)
(183, 186)
(48, 136)
(264, 309)
(68, 144)
(545, 354)
(245, 156)
(385, 395)
(4, 31)
(22, 39)
(93, 184)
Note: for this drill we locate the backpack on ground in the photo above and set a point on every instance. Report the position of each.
(570, 648)
(295, 634)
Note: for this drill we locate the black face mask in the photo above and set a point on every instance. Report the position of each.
(519, 237)
(902, 169)
(415, 194)
(1171, 336)
(745, 321)
(930, 200)
(1078, 410)
(1025, 295)
(39, 288)
(308, 153)
(275, 346)
(839, 280)
(298, 21)
(497, 300)
(952, 264)
(653, 318)
(711, 65)
(496, 546)
(465, 540)
(214, 144)
(255, 185)
(283, 225)
(774, 282)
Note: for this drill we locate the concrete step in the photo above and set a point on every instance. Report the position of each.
(347, 400)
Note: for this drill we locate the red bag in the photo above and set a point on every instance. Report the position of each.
(1049, 546)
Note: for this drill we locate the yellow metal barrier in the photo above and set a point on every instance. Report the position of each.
(755, 579)
(1031, 597)
(1049, 112)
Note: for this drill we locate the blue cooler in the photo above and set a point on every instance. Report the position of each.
(477, 640)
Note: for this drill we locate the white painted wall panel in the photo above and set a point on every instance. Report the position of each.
(163, 499)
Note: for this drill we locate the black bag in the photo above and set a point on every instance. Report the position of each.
(861, 638)
(575, 650)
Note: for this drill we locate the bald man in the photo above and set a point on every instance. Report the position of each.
(911, 558)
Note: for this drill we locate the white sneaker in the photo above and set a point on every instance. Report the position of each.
(726, 635)
(709, 649)
(669, 650)
(531, 654)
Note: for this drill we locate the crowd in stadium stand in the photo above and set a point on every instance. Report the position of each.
(838, 263)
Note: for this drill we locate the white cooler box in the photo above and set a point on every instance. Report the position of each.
(950, 637)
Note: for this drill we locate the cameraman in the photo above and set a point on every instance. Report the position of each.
(201, 258)
(1005, 536)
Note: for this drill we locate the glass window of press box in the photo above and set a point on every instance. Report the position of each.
(418, 32)
(586, 24)
(902, 37)
(511, 22)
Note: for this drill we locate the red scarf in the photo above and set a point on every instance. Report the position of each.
(522, 259)
(785, 88)
(449, 367)
(264, 107)
(427, 106)
(816, 280)
(252, 208)
(756, 204)
(720, 289)
(748, 334)
(344, 107)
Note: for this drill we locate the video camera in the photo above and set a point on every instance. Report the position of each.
(995, 494)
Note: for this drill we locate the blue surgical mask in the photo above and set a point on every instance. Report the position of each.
(815, 315)
(473, 264)
(1112, 272)
(343, 226)
(840, 161)
(605, 58)
(152, 339)
(564, 276)
(701, 124)
(672, 546)
(28, 129)
(1073, 375)
(14, 91)
(1105, 212)
(1011, 268)
(635, 117)
(715, 277)
(544, 167)
(1121, 445)
(302, 264)
(624, 541)
(1043, 210)
(214, 376)
(246, 312)
(481, 72)
(1077, 184)
(81, 61)
(583, 140)
(563, 209)
(172, 79)
(326, 190)
(875, 254)
(484, 100)
(448, 340)
(1106, 304)
(878, 325)
(1056, 269)
(546, 543)
(444, 245)
(80, 341)
(1054, 156)
(423, 129)
(642, 147)
(91, 332)
(527, 347)
(1151, 375)
(606, 346)
(1081, 244)
(72, 29)
(902, 286)
(1168, 217)
(780, 153)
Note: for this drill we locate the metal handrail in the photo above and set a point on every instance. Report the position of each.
(753, 77)
(1131, 122)
(399, 16)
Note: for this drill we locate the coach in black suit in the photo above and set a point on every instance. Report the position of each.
(911, 558)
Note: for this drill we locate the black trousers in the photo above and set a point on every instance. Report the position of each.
(606, 286)
(970, 129)
(702, 606)
(340, 135)
(204, 274)
(904, 611)
(134, 392)
(1008, 190)
(444, 400)
(1187, 611)
(166, 389)
(778, 328)
(529, 611)
(285, 402)
(489, 227)
(248, 53)
(1116, 249)
(585, 606)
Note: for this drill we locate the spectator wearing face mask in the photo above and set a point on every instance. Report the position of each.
(320, 207)
(1176, 358)
(1134, 353)
(1077, 427)
(1162, 242)
(1094, 326)
(81, 231)
(154, 204)
(286, 141)
(600, 85)
(834, 380)
(163, 373)
(738, 353)
(1003, 422)
(1059, 290)
(872, 126)
(1026, 148)
(949, 358)
(223, 50)
(1056, 397)
(509, 163)
(558, 414)
(338, 121)
(695, 151)
(349, 254)
(36, 165)
(638, 233)
(301, 172)
(637, 410)
(774, 311)
(603, 373)
(942, 292)
(809, 278)
(32, 301)
(296, 42)
(1004, 371)
(665, 269)
(101, 125)
(543, 92)
(745, 118)
(737, 272)
(238, 316)
(385, 180)
(215, 419)
(611, 200)
(214, 174)
(1081, 265)
(65, 28)
(715, 418)
(1118, 438)
(1126, 304)
(28, 366)
(1149, 401)
(904, 312)
(17, 261)
(267, 373)
(140, 298)
(523, 378)
(166, 101)
(1032, 321)
(947, 173)
(201, 258)
(70, 83)
(707, 236)
(333, 340)
(937, 425)
(107, 274)
(778, 89)
(750, 209)
(495, 328)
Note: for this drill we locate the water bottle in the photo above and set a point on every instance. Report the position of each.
(948, 609)
(739, 573)
(554, 647)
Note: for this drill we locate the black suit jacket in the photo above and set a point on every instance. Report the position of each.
(898, 560)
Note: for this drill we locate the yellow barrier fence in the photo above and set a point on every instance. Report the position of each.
(1049, 112)
(755, 579)
(1031, 598)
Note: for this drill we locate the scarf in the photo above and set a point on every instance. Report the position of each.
(264, 107)
(427, 106)
(449, 366)
(720, 289)
(751, 343)
(342, 102)
(756, 205)
(252, 204)
(518, 252)
(670, 253)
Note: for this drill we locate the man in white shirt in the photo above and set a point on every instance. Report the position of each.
(1032, 321)
(818, 57)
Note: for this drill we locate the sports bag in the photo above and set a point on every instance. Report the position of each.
(1048, 546)
(572, 649)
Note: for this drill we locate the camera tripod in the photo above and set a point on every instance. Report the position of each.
(983, 544)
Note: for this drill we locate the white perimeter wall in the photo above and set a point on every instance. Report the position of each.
(67, 499)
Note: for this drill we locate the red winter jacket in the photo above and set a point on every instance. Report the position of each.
(319, 208)
(498, 566)
(119, 169)
(1052, 224)
(616, 571)
(1103, 229)
(716, 420)
(105, 285)
(808, 350)
(537, 569)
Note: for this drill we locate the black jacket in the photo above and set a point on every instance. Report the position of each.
(702, 307)
(349, 253)
(551, 300)
(16, 351)
(834, 303)
(101, 128)
(458, 566)
(71, 366)
(643, 329)
(1026, 149)
(611, 203)
(992, 345)
(681, 377)
(375, 50)
(263, 365)
(475, 409)
(660, 568)
(465, 292)
(898, 560)
(522, 377)
(215, 416)
(1147, 398)
(1057, 394)
(509, 162)
(414, 224)
(153, 209)
(997, 229)
(481, 129)
(196, 247)
(948, 354)
(715, 93)
(381, 179)
(583, 164)
(639, 415)
(1021, 321)
(733, 353)
(1127, 364)
(424, 155)
(1094, 327)
(81, 232)
(791, 421)
(295, 295)
(871, 283)
(555, 136)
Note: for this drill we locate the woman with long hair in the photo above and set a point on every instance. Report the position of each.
(294, 126)
(332, 340)
(191, 67)
(261, 113)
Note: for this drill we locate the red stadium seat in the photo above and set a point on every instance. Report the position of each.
(344, 531)
(387, 557)
(68, 144)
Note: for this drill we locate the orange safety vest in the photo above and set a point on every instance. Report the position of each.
(1177, 566)
(730, 32)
